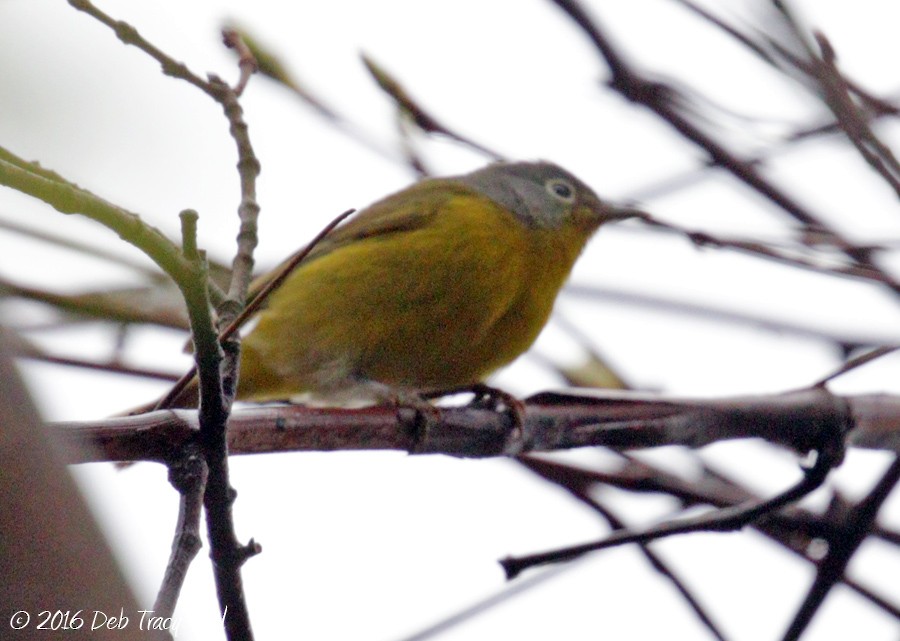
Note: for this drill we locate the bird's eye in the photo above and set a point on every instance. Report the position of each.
(561, 189)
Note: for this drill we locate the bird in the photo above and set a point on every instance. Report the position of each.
(431, 288)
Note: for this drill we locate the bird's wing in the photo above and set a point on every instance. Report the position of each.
(413, 208)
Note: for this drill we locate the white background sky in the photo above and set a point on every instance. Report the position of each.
(377, 545)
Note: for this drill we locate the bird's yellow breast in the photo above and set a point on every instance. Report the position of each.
(429, 306)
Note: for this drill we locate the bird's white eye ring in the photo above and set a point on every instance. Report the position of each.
(561, 189)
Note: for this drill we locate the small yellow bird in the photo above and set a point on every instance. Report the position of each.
(431, 288)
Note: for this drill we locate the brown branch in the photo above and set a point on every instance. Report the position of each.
(852, 120)
(666, 103)
(878, 106)
(762, 250)
(578, 485)
(618, 420)
(188, 476)
(227, 554)
(841, 549)
(114, 306)
(114, 367)
(857, 361)
(793, 527)
(216, 383)
(829, 453)
(246, 60)
(411, 108)
(130, 36)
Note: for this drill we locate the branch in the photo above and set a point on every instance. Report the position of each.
(130, 36)
(268, 284)
(579, 485)
(618, 420)
(217, 372)
(841, 549)
(227, 553)
(187, 475)
(69, 198)
(794, 527)
(829, 454)
(409, 107)
(807, 259)
(669, 105)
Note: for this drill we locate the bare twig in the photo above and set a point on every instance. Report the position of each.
(187, 474)
(130, 36)
(850, 117)
(94, 251)
(411, 108)
(578, 485)
(841, 549)
(114, 367)
(762, 250)
(793, 527)
(829, 454)
(857, 361)
(281, 273)
(216, 383)
(667, 104)
(622, 296)
(246, 60)
(227, 553)
(273, 68)
(777, 56)
(113, 306)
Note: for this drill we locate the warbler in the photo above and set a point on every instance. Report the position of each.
(432, 288)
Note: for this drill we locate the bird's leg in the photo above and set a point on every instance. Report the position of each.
(497, 400)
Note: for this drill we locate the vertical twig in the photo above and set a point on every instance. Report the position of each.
(187, 474)
(841, 548)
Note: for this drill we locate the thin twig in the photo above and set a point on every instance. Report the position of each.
(227, 553)
(850, 118)
(242, 266)
(187, 474)
(621, 296)
(666, 103)
(272, 67)
(792, 527)
(281, 273)
(578, 486)
(130, 36)
(216, 383)
(410, 107)
(857, 361)
(841, 549)
(94, 251)
(723, 520)
(761, 250)
(120, 306)
(113, 367)
(246, 60)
